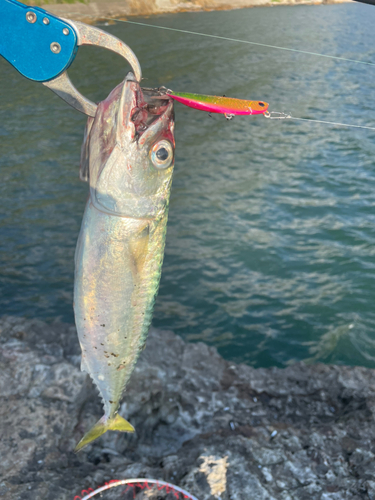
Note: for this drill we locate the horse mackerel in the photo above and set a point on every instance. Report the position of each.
(127, 158)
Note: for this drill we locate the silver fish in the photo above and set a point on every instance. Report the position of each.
(128, 158)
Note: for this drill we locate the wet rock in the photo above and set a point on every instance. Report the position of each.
(217, 429)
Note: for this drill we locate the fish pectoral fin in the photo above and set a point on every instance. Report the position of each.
(116, 423)
(138, 246)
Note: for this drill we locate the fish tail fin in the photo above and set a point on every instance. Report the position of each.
(116, 423)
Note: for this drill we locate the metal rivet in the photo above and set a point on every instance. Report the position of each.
(45, 20)
(30, 17)
(55, 47)
(66, 31)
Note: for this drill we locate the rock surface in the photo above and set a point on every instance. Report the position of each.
(304, 432)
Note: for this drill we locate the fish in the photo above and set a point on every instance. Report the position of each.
(127, 158)
(229, 106)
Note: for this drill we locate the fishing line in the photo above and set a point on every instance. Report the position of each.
(245, 41)
(275, 115)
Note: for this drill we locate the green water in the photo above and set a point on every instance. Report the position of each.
(271, 240)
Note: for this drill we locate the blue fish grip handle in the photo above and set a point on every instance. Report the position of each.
(38, 44)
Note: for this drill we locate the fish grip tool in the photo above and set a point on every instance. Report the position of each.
(42, 46)
(89, 35)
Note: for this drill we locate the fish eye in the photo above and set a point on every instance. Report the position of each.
(261, 104)
(162, 155)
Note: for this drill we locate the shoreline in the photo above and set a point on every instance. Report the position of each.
(104, 10)
(207, 425)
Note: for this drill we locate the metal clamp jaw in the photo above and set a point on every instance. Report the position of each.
(89, 35)
(42, 46)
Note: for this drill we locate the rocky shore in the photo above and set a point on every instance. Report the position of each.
(91, 12)
(304, 432)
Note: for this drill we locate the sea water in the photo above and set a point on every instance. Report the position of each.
(270, 251)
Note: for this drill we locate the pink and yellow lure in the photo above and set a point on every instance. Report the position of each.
(229, 106)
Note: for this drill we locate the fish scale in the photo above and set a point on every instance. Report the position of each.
(119, 344)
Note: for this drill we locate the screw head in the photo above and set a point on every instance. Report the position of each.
(55, 47)
(30, 17)
(45, 20)
(66, 31)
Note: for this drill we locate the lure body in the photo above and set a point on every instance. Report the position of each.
(127, 156)
(217, 104)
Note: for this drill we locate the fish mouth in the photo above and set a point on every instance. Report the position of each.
(142, 107)
(155, 103)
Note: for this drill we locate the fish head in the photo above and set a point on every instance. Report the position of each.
(128, 152)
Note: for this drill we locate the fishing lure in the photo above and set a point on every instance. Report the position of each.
(228, 106)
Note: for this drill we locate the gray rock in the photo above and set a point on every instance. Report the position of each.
(217, 429)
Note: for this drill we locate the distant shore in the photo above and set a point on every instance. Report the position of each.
(91, 12)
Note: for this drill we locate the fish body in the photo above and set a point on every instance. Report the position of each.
(217, 104)
(127, 157)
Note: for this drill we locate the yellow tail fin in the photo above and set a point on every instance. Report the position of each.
(116, 423)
